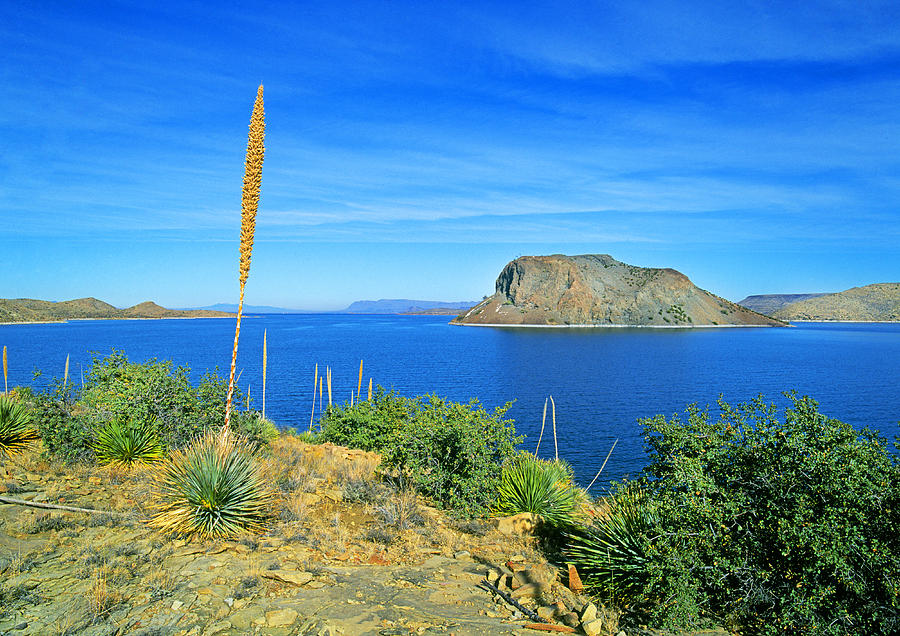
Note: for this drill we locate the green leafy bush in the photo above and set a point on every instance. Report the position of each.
(451, 452)
(127, 442)
(772, 526)
(542, 487)
(155, 393)
(212, 489)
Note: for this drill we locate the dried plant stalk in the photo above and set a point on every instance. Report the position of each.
(320, 394)
(328, 374)
(603, 465)
(555, 447)
(315, 386)
(543, 421)
(5, 384)
(359, 384)
(265, 363)
(66, 372)
(249, 204)
(370, 389)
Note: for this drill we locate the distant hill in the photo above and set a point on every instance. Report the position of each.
(768, 304)
(403, 306)
(877, 302)
(251, 309)
(30, 310)
(596, 289)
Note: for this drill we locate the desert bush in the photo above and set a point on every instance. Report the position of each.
(212, 488)
(16, 433)
(451, 452)
(155, 393)
(771, 526)
(542, 487)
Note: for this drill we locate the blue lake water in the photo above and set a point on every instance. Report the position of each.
(603, 380)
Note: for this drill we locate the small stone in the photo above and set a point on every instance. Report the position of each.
(294, 577)
(215, 628)
(593, 628)
(575, 583)
(546, 612)
(229, 601)
(281, 617)
(530, 590)
(589, 614)
(463, 555)
(570, 619)
(20, 626)
(177, 605)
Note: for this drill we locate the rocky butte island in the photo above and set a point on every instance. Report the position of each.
(598, 290)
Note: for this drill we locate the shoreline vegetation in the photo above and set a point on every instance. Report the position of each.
(748, 521)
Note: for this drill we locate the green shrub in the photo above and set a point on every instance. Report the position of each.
(610, 553)
(126, 443)
(542, 487)
(371, 425)
(16, 434)
(154, 392)
(451, 452)
(772, 526)
(212, 489)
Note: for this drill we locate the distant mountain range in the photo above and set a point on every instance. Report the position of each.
(870, 303)
(252, 309)
(770, 303)
(31, 310)
(405, 306)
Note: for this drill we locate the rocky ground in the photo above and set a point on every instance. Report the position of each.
(345, 554)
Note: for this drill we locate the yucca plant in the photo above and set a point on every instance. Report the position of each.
(126, 443)
(212, 489)
(16, 434)
(545, 488)
(610, 552)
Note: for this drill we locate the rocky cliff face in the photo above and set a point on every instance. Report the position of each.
(596, 289)
(878, 302)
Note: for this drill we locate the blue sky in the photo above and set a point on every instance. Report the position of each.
(414, 148)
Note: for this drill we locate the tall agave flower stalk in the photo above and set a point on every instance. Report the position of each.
(66, 372)
(328, 377)
(555, 446)
(359, 384)
(5, 384)
(315, 386)
(370, 389)
(249, 204)
(541, 436)
(265, 361)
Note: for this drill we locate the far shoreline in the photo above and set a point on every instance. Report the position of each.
(66, 320)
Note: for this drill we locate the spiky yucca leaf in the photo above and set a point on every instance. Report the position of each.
(212, 489)
(610, 552)
(16, 435)
(126, 443)
(545, 488)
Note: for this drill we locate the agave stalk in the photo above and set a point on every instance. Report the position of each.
(328, 374)
(370, 389)
(249, 204)
(555, 446)
(543, 421)
(320, 394)
(359, 384)
(5, 384)
(265, 361)
(602, 466)
(66, 372)
(315, 386)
